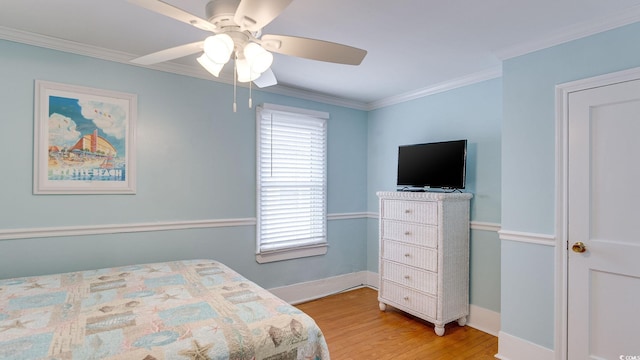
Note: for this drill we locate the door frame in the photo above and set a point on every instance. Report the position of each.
(562, 151)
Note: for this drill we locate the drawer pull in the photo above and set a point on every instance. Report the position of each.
(407, 255)
(407, 277)
(407, 211)
(407, 233)
(406, 298)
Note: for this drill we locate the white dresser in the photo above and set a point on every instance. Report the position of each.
(424, 255)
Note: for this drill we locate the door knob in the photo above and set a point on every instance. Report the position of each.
(579, 247)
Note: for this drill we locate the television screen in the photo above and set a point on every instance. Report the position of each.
(433, 165)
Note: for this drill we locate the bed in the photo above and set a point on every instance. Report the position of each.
(196, 309)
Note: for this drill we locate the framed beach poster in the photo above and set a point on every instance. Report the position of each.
(84, 140)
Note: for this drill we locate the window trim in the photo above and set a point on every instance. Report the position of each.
(299, 251)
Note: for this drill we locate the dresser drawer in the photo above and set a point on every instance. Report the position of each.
(417, 256)
(413, 211)
(410, 299)
(425, 235)
(422, 280)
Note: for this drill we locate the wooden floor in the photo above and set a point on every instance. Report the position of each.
(355, 328)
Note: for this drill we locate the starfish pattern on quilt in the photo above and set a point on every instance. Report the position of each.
(197, 352)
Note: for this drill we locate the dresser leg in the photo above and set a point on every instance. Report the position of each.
(462, 321)
(382, 306)
(439, 329)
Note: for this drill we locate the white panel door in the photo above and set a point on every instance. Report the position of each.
(604, 215)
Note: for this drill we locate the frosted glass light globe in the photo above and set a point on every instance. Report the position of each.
(219, 48)
(259, 59)
(209, 65)
(244, 71)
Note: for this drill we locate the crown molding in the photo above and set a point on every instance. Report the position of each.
(315, 96)
(574, 32)
(488, 74)
(53, 43)
(72, 47)
(570, 33)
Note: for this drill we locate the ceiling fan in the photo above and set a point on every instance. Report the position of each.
(237, 27)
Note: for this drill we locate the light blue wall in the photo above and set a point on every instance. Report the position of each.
(472, 112)
(528, 168)
(195, 161)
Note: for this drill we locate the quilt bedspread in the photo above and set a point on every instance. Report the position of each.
(196, 309)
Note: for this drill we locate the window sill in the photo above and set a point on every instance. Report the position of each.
(287, 254)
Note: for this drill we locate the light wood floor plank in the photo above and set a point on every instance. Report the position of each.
(356, 329)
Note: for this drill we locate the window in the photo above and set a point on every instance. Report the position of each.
(291, 183)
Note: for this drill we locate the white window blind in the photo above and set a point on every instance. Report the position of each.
(292, 183)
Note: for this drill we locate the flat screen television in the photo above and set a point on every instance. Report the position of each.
(432, 165)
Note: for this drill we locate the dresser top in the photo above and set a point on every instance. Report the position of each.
(426, 195)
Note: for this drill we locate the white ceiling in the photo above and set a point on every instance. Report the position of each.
(413, 46)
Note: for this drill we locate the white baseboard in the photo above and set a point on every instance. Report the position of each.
(373, 280)
(311, 290)
(479, 318)
(514, 348)
(484, 320)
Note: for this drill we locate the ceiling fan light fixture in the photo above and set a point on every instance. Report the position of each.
(244, 72)
(237, 26)
(258, 58)
(209, 65)
(219, 48)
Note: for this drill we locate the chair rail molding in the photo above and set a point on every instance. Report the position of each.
(43, 232)
(79, 230)
(525, 237)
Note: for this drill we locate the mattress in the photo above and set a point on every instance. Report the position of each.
(196, 309)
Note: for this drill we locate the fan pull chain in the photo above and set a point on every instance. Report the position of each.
(235, 79)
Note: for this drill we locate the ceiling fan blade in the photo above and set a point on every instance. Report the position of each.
(313, 49)
(266, 79)
(170, 54)
(173, 12)
(253, 15)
